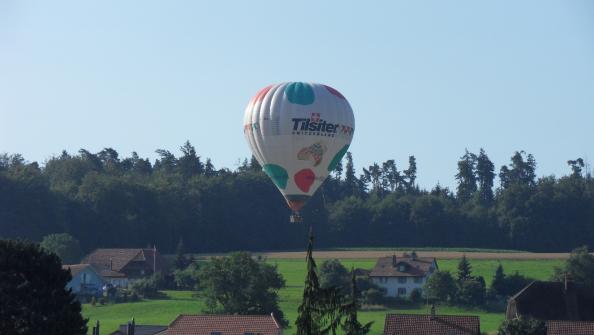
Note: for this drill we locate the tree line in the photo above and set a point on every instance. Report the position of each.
(105, 200)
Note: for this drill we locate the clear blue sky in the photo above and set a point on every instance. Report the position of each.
(428, 78)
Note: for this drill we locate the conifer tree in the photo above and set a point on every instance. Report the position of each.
(319, 312)
(498, 283)
(464, 269)
(352, 326)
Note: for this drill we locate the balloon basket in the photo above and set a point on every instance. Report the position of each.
(296, 218)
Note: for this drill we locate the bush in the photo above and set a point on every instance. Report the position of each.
(374, 296)
(334, 274)
(441, 286)
(416, 295)
(522, 326)
(472, 292)
(188, 278)
(146, 287)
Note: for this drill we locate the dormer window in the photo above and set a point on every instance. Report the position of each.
(402, 268)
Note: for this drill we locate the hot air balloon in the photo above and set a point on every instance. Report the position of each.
(298, 132)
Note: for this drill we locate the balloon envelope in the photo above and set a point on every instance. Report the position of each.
(298, 132)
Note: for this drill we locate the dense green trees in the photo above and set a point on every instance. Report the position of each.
(32, 293)
(106, 200)
(239, 284)
(578, 268)
(64, 246)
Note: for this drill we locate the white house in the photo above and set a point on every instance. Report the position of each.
(401, 275)
(85, 280)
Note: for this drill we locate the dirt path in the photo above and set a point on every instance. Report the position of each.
(372, 254)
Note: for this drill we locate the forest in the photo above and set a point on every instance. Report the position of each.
(105, 200)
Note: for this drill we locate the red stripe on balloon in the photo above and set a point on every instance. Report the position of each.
(334, 92)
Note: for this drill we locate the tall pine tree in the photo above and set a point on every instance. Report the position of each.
(351, 325)
(485, 175)
(319, 312)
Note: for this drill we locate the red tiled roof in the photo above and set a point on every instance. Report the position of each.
(224, 324)
(559, 327)
(117, 259)
(390, 266)
(407, 324)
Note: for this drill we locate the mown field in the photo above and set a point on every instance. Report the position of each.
(163, 311)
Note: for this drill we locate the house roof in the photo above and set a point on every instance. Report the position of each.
(75, 269)
(413, 266)
(117, 259)
(141, 330)
(408, 324)
(553, 301)
(562, 327)
(224, 324)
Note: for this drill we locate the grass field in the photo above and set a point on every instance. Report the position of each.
(163, 311)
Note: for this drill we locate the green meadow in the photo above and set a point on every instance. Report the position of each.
(163, 311)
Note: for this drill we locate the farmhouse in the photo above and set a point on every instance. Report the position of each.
(553, 301)
(408, 324)
(403, 274)
(86, 282)
(224, 325)
(117, 266)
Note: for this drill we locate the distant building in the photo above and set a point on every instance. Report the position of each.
(408, 324)
(141, 330)
(225, 325)
(552, 301)
(403, 274)
(562, 327)
(86, 282)
(118, 266)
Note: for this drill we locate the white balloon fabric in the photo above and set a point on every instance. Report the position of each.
(298, 132)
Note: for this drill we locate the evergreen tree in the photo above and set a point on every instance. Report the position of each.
(498, 283)
(466, 176)
(351, 325)
(33, 295)
(485, 176)
(411, 173)
(319, 311)
(464, 269)
(350, 178)
(576, 167)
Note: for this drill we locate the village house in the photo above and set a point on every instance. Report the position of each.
(225, 325)
(85, 282)
(403, 274)
(118, 266)
(552, 301)
(408, 324)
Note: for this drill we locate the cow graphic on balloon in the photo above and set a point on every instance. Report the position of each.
(298, 132)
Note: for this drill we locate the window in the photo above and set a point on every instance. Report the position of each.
(84, 278)
(402, 268)
(401, 291)
(402, 280)
(215, 333)
(418, 280)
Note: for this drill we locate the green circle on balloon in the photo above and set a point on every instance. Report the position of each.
(300, 93)
(337, 158)
(278, 175)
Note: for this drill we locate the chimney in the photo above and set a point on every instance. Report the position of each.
(394, 260)
(432, 312)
